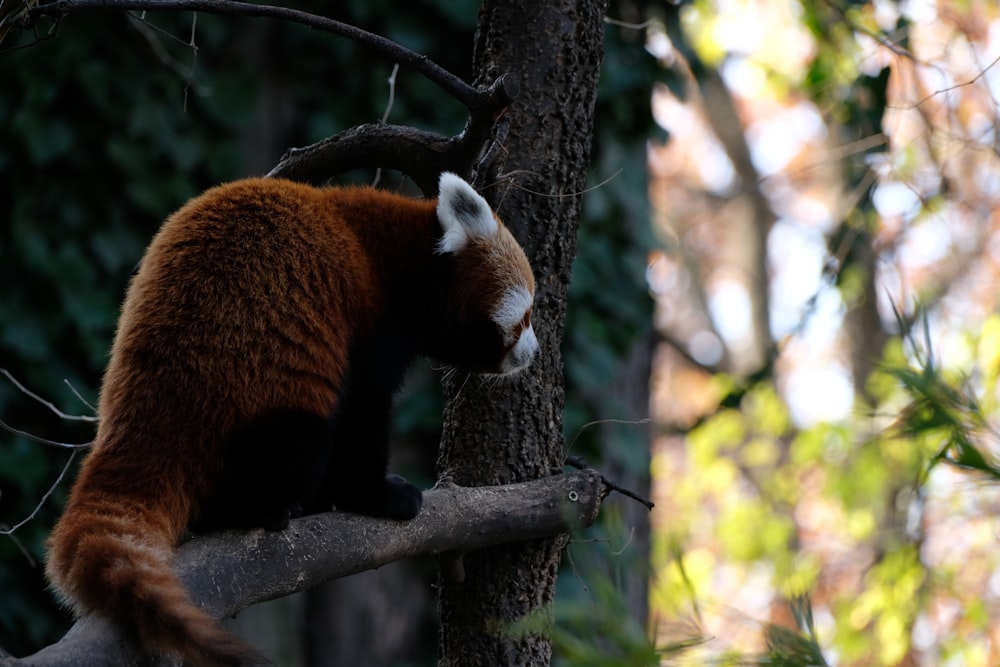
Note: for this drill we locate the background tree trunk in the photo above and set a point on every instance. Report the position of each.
(378, 618)
(511, 432)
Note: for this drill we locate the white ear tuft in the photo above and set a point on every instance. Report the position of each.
(463, 214)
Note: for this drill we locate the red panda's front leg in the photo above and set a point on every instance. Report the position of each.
(271, 465)
(356, 479)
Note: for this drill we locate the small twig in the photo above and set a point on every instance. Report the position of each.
(392, 93)
(578, 463)
(576, 572)
(562, 195)
(80, 397)
(38, 507)
(194, 58)
(385, 114)
(24, 552)
(628, 25)
(40, 440)
(631, 536)
(960, 84)
(607, 541)
(597, 422)
(74, 448)
(151, 33)
(878, 37)
(51, 406)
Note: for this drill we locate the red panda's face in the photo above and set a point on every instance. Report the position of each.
(512, 316)
(494, 290)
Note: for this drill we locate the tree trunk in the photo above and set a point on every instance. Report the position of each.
(377, 618)
(496, 434)
(629, 467)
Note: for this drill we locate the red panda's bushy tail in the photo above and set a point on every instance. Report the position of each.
(119, 567)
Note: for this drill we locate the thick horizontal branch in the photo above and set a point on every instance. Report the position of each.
(228, 572)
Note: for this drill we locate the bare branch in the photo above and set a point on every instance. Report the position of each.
(79, 396)
(47, 403)
(74, 449)
(450, 83)
(4, 530)
(43, 441)
(392, 93)
(228, 572)
(419, 154)
(407, 149)
(578, 463)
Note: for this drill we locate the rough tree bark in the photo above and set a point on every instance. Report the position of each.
(513, 432)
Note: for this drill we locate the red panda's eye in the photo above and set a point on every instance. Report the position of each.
(526, 321)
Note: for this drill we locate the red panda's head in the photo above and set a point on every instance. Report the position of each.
(493, 288)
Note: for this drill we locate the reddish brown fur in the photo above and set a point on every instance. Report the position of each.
(204, 344)
(481, 261)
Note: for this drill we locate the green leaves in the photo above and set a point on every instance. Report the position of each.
(794, 648)
(943, 409)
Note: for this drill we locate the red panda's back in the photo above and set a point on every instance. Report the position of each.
(243, 287)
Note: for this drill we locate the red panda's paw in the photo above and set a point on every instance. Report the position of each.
(276, 518)
(394, 498)
(402, 499)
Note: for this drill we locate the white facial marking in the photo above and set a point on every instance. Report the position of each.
(521, 356)
(463, 214)
(508, 315)
(510, 311)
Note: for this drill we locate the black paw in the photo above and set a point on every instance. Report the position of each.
(402, 499)
(273, 519)
(393, 498)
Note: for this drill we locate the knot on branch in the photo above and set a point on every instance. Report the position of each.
(609, 486)
(498, 96)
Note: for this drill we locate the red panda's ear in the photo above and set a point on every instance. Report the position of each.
(463, 213)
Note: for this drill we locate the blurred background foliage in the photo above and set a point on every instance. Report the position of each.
(840, 442)
(783, 308)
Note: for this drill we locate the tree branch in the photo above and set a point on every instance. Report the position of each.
(448, 82)
(228, 572)
(419, 154)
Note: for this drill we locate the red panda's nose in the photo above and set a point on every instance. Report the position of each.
(524, 351)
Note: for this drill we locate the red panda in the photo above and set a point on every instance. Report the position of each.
(250, 381)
